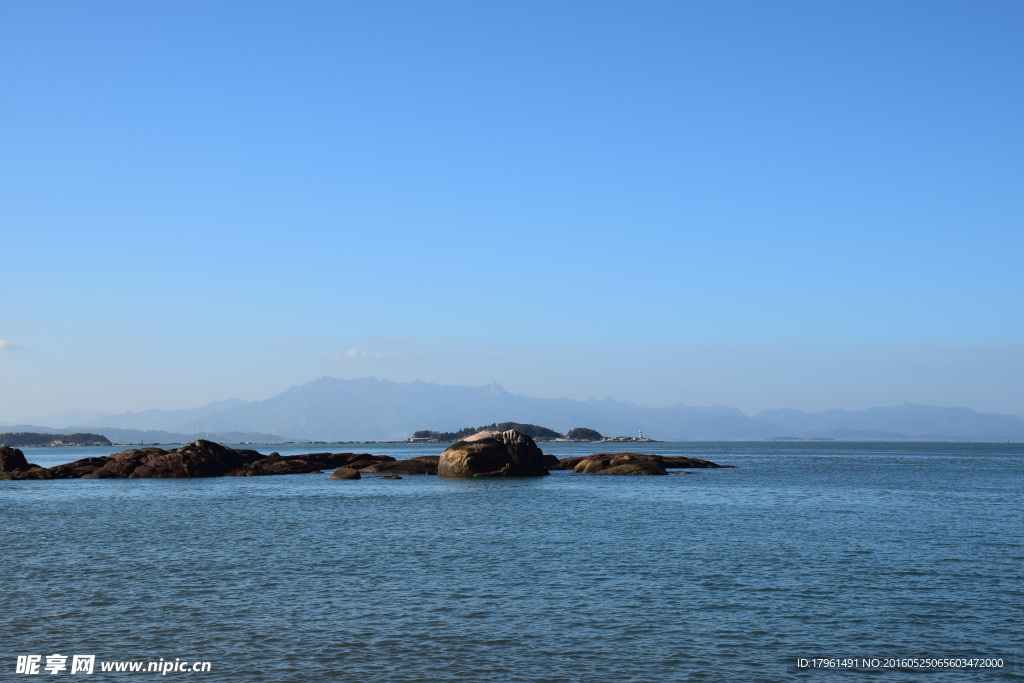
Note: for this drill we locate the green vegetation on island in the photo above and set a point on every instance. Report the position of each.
(533, 431)
(40, 439)
(583, 434)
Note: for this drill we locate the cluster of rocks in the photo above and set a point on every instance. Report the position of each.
(199, 459)
(632, 463)
(486, 454)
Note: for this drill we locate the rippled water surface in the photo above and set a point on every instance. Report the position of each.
(805, 549)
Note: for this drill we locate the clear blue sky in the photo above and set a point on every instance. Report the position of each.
(758, 204)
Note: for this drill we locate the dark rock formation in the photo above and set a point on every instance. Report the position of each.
(79, 468)
(304, 464)
(205, 459)
(674, 461)
(199, 459)
(360, 464)
(619, 463)
(390, 476)
(638, 467)
(13, 465)
(345, 473)
(12, 460)
(663, 461)
(424, 464)
(494, 454)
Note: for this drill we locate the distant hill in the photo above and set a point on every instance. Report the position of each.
(169, 420)
(908, 421)
(330, 409)
(51, 439)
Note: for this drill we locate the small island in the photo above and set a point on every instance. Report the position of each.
(535, 432)
(28, 439)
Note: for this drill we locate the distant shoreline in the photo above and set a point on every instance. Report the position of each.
(425, 443)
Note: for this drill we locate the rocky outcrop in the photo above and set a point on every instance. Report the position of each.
(494, 454)
(79, 468)
(346, 473)
(199, 459)
(13, 465)
(12, 460)
(424, 464)
(593, 464)
(204, 459)
(631, 468)
(677, 461)
(619, 463)
(305, 464)
(486, 454)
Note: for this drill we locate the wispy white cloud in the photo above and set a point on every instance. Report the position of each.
(359, 354)
(6, 345)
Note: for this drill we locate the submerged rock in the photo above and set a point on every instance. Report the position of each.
(494, 454)
(674, 461)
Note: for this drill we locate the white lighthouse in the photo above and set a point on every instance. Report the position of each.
(641, 435)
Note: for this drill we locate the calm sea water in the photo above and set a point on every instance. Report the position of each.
(805, 549)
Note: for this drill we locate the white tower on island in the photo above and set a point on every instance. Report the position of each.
(641, 435)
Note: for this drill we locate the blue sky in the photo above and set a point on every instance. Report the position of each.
(785, 204)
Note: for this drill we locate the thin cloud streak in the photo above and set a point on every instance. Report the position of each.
(359, 354)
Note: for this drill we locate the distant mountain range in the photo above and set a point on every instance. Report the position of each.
(330, 409)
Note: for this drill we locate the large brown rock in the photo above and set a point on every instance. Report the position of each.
(633, 468)
(493, 454)
(346, 473)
